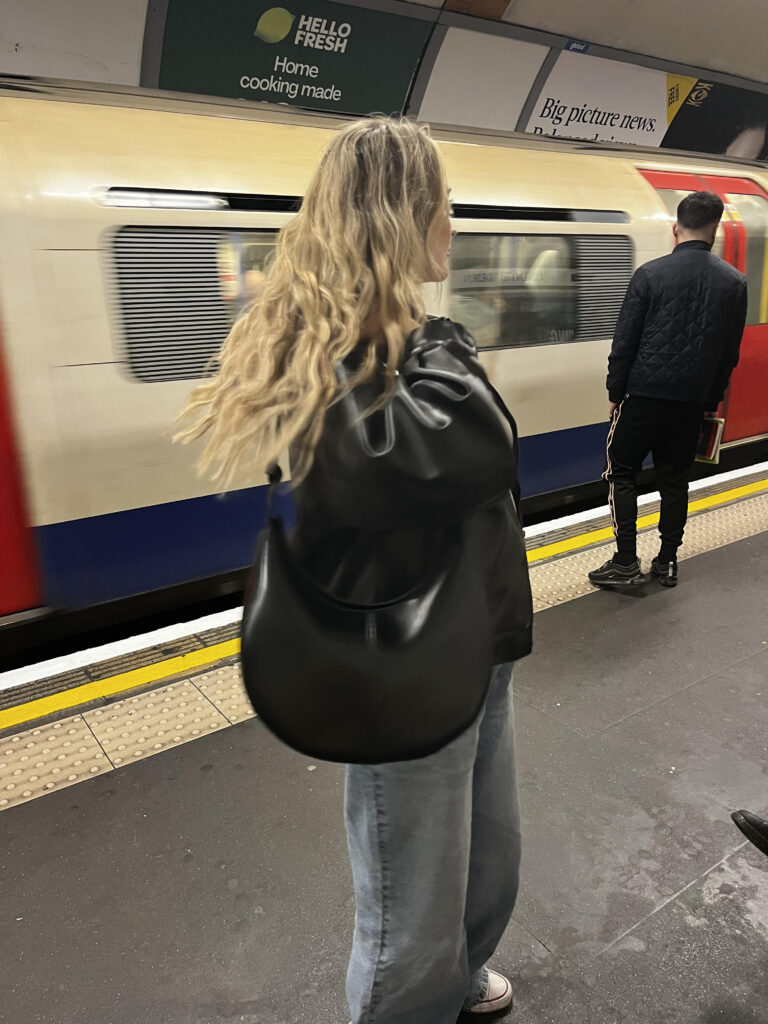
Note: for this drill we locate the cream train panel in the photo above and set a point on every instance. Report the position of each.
(113, 146)
(552, 387)
(108, 447)
(225, 154)
(23, 326)
(77, 330)
(504, 177)
(68, 291)
(114, 448)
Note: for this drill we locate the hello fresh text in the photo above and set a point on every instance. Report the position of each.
(322, 34)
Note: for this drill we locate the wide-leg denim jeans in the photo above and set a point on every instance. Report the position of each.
(435, 851)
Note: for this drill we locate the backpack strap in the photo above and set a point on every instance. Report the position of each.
(274, 476)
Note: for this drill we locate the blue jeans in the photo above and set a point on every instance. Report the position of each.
(435, 851)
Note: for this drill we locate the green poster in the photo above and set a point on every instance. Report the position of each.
(312, 53)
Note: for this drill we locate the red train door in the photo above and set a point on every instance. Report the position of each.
(743, 242)
(746, 405)
(19, 577)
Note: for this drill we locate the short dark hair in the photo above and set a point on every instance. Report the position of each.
(698, 210)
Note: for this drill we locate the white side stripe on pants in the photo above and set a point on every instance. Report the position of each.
(609, 469)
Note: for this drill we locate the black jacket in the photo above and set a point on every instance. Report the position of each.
(379, 508)
(679, 329)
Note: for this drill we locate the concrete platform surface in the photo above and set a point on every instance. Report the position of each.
(209, 884)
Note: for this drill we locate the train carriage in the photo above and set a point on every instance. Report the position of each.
(135, 227)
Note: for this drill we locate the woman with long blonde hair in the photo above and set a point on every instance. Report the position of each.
(396, 437)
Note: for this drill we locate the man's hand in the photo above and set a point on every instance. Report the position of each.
(710, 414)
(612, 408)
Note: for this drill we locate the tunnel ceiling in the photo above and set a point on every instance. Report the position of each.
(707, 34)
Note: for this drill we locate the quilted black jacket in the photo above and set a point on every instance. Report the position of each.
(379, 507)
(679, 329)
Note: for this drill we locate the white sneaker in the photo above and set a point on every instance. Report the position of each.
(498, 996)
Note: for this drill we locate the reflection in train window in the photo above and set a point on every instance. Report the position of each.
(243, 259)
(514, 289)
(519, 290)
(753, 212)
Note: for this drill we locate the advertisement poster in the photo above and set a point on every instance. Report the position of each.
(723, 119)
(502, 75)
(603, 100)
(312, 53)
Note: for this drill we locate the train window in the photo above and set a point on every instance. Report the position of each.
(671, 198)
(243, 258)
(520, 290)
(179, 290)
(753, 211)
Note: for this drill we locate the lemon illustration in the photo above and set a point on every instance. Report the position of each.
(274, 25)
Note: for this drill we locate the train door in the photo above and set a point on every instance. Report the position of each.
(19, 579)
(743, 241)
(747, 399)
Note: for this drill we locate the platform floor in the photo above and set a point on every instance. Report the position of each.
(209, 883)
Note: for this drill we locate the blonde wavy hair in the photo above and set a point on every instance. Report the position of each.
(358, 246)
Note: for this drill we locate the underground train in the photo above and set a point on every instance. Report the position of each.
(133, 229)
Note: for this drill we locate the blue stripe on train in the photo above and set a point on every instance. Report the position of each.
(562, 458)
(104, 558)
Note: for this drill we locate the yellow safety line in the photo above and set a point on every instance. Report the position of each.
(44, 706)
(116, 684)
(584, 540)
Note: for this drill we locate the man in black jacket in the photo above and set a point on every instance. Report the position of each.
(675, 346)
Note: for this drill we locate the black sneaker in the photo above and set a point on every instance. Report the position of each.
(614, 575)
(754, 828)
(665, 571)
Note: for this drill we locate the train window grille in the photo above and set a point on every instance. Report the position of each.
(178, 291)
(515, 291)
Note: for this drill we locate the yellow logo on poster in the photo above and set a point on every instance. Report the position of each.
(699, 94)
(678, 90)
(274, 25)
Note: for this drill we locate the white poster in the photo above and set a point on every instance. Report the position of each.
(481, 80)
(607, 101)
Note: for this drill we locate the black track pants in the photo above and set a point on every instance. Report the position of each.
(669, 431)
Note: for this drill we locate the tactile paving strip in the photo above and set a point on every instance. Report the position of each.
(647, 545)
(150, 722)
(224, 689)
(555, 584)
(724, 526)
(48, 758)
(582, 562)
